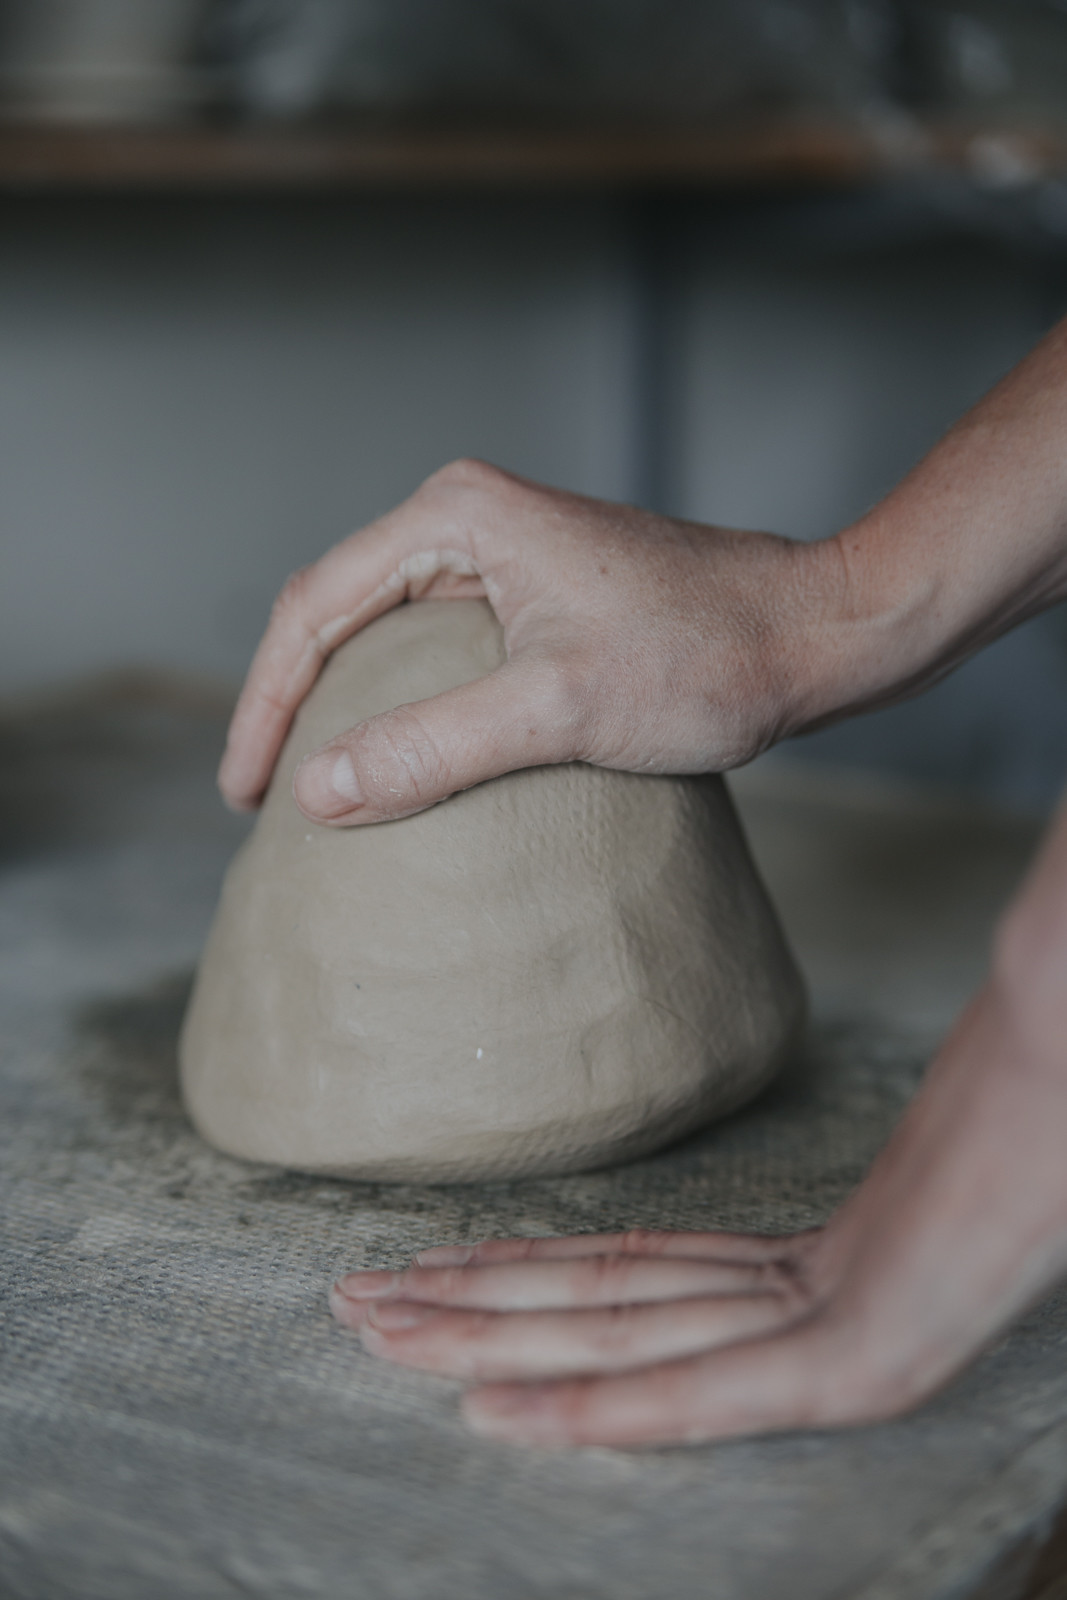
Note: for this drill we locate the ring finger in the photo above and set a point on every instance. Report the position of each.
(536, 1344)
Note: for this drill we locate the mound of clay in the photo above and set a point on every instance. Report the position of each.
(551, 971)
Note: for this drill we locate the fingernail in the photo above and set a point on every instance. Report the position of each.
(445, 1255)
(351, 1314)
(367, 1285)
(389, 1315)
(326, 785)
(233, 802)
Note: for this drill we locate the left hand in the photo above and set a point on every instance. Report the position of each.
(652, 1337)
(632, 641)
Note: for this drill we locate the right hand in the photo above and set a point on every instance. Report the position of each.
(960, 1225)
(633, 641)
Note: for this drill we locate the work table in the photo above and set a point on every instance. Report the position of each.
(182, 1418)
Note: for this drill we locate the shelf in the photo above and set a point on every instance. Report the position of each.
(362, 157)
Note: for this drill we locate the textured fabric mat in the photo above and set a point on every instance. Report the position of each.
(179, 1415)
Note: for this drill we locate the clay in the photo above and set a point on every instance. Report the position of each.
(551, 971)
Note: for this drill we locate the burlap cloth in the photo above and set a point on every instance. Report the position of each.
(180, 1416)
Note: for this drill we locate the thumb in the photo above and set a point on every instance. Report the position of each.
(407, 759)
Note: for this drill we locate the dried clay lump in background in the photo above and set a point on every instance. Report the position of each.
(548, 972)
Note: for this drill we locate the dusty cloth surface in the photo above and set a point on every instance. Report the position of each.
(181, 1417)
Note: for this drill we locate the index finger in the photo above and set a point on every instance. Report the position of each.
(635, 1242)
(401, 556)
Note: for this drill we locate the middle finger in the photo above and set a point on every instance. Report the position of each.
(586, 1281)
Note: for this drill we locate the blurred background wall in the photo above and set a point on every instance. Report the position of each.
(200, 392)
(198, 396)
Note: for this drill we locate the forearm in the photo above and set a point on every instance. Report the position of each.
(973, 541)
(962, 1222)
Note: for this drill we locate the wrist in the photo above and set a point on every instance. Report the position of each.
(904, 601)
(860, 625)
(966, 548)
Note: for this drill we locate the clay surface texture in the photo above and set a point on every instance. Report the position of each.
(549, 972)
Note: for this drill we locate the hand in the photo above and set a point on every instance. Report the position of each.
(633, 641)
(654, 645)
(654, 1337)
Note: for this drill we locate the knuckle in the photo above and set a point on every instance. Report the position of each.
(471, 1328)
(488, 1251)
(641, 1241)
(613, 1330)
(439, 1285)
(527, 1249)
(564, 704)
(398, 762)
(467, 472)
(609, 1275)
(470, 1358)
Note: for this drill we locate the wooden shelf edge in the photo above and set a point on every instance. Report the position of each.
(799, 152)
